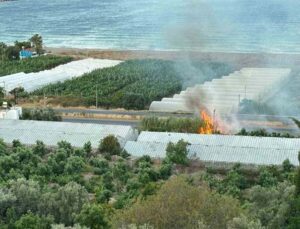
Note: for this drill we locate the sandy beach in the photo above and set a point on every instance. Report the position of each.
(238, 60)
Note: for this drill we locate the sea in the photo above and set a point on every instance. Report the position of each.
(245, 26)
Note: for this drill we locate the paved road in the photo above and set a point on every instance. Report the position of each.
(121, 112)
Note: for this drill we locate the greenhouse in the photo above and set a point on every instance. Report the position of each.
(223, 95)
(220, 148)
(28, 132)
(32, 81)
(226, 154)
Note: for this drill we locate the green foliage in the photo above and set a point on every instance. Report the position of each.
(266, 178)
(37, 42)
(32, 64)
(40, 149)
(100, 165)
(31, 221)
(133, 84)
(189, 205)
(93, 216)
(294, 214)
(88, 148)
(62, 186)
(287, 166)
(270, 205)
(243, 222)
(171, 124)
(110, 146)
(263, 133)
(178, 153)
(40, 114)
(70, 200)
(134, 101)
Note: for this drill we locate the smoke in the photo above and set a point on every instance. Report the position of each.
(194, 35)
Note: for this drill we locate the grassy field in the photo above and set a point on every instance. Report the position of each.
(32, 64)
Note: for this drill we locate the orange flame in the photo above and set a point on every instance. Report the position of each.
(208, 124)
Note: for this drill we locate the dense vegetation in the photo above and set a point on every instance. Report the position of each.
(85, 188)
(170, 124)
(263, 133)
(133, 84)
(10, 63)
(31, 64)
(40, 114)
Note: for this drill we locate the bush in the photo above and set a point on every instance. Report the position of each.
(178, 153)
(110, 146)
(40, 114)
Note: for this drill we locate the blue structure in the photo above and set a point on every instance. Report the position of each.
(25, 54)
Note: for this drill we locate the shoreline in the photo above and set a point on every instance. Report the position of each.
(235, 59)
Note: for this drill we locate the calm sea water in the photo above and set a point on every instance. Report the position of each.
(207, 25)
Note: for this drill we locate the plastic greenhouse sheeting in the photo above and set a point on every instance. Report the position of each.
(225, 154)
(28, 132)
(223, 95)
(219, 148)
(33, 81)
(222, 140)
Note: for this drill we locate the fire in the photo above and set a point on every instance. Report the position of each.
(208, 126)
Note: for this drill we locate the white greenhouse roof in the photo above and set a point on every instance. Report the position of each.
(222, 140)
(33, 81)
(28, 132)
(220, 148)
(223, 95)
(244, 155)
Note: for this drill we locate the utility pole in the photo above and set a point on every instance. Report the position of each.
(214, 121)
(45, 99)
(96, 96)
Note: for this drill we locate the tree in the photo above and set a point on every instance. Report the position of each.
(20, 45)
(69, 202)
(93, 216)
(40, 149)
(16, 93)
(32, 221)
(100, 165)
(11, 53)
(37, 42)
(180, 205)
(178, 153)
(134, 101)
(7, 200)
(266, 179)
(3, 48)
(270, 205)
(110, 145)
(74, 165)
(27, 193)
(287, 166)
(88, 148)
(243, 222)
(2, 92)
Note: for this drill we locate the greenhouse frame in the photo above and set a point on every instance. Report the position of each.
(33, 81)
(28, 132)
(219, 148)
